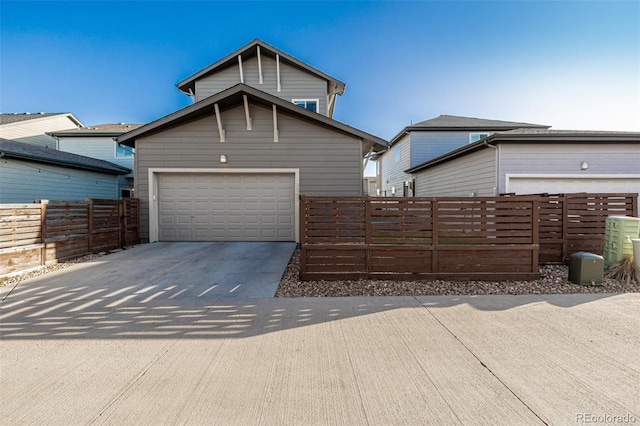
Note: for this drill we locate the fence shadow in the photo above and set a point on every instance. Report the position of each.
(97, 309)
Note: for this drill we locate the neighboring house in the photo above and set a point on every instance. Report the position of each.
(33, 128)
(270, 70)
(429, 139)
(232, 165)
(29, 172)
(370, 186)
(99, 142)
(535, 161)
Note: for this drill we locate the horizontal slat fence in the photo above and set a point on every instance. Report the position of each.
(37, 234)
(451, 238)
(419, 238)
(570, 223)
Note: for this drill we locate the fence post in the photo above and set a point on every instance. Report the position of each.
(367, 235)
(535, 233)
(303, 235)
(89, 202)
(122, 225)
(435, 267)
(43, 231)
(302, 218)
(565, 226)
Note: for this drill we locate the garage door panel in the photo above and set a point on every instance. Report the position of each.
(234, 207)
(536, 185)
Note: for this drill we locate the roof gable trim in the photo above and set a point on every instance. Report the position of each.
(188, 85)
(235, 96)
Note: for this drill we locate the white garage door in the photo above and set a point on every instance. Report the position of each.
(226, 207)
(566, 185)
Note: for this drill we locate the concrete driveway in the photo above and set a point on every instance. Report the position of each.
(206, 270)
(167, 351)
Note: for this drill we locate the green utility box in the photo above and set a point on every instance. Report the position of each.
(618, 233)
(586, 268)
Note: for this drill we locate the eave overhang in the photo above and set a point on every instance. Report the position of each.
(549, 137)
(233, 97)
(113, 169)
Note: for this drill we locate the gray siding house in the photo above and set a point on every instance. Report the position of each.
(99, 142)
(232, 167)
(29, 172)
(270, 70)
(534, 161)
(430, 139)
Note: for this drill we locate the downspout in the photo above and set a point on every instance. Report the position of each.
(496, 189)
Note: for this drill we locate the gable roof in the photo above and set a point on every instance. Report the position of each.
(17, 117)
(25, 151)
(453, 122)
(110, 129)
(250, 50)
(462, 124)
(234, 96)
(533, 136)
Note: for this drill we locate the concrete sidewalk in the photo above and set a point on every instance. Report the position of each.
(392, 360)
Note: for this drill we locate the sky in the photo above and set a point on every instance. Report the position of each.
(567, 64)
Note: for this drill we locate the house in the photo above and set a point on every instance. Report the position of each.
(32, 128)
(232, 165)
(429, 139)
(99, 142)
(267, 68)
(534, 161)
(30, 172)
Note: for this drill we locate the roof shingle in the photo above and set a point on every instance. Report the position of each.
(13, 149)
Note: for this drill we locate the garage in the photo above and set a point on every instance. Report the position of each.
(538, 184)
(532, 184)
(226, 206)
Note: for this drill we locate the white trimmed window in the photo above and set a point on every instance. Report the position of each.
(475, 137)
(310, 104)
(124, 151)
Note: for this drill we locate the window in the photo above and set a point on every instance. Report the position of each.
(310, 104)
(397, 153)
(124, 151)
(475, 137)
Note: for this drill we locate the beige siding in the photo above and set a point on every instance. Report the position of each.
(392, 171)
(295, 84)
(33, 131)
(472, 174)
(329, 161)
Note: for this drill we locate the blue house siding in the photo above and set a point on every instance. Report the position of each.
(25, 181)
(428, 145)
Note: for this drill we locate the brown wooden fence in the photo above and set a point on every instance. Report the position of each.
(42, 233)
(419, 238)
(451, 238)
(570, 223)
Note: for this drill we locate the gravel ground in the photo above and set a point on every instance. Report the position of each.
(553, 280)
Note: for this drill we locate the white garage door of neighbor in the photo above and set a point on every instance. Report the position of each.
(226, 207)
(567, 185)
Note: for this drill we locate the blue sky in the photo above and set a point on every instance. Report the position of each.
(569, 64)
